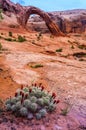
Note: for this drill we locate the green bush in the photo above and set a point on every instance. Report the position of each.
(83, 47)
(0, 46)
(10, 34)
(36, 66)
(32, 100)
(8, 39)
(1, 17)
(39, 36)
(21, 38)
(59, 50)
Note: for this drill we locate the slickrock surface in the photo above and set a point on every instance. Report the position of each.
(62, 72)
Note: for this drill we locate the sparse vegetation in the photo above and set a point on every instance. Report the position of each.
(10, 34)
(59, 50)
(36, 66)
(51, 36)
(39, 36)
(83, 47)
(64, 111)
(33, 100)
(69, 41)
(0, 46)
(72, 47)
(1, 17)
(8, 39)
(21, 38)
(79, 54)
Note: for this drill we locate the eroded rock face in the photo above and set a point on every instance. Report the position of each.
(23, 13)
(73, 21)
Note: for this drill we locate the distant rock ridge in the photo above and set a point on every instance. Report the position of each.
(70, 21)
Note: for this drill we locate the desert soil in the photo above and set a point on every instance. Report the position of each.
(62, 72)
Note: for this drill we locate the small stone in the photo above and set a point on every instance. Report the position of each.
(56, 127)
(13, 128)
(47, 124)
(30, 116)
(5, 120)
(43, 127)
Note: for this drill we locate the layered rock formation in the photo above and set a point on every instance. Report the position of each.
(73, 21)
(23, 13)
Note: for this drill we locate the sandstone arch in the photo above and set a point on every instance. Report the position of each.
(24, 16)
(23, 13)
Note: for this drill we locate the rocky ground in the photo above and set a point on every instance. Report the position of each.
(63, 70)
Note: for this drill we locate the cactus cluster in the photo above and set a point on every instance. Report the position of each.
(32, 101)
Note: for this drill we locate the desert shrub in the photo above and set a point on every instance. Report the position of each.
(79, 54)
(72, 47)
(59, 50)
(21, 38)
(64, 111)
(0, 46)
(32, 102)
(10, 34)
(51, 36)
(36, 66)
(83, 47)
(39, 36)
(8, 39)
(1, 17)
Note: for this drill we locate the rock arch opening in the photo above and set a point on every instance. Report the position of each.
(25, 14)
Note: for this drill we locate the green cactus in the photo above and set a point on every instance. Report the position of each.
(18, 91)
(8, 101)
(25, 89)
(13, 100)
(19, 98)
(23, 111)
(44, 93)
(13, 108)
(46, 101)
(33, 99)
(27, 103)
(51, 107)
(38, 116)
(38, 93)
(33, 107)
(43, 112)
(30, 102)
(8, 107)
(18, 105)
(33, 92)
(40, 101)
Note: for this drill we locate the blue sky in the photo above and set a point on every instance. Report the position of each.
(54, 5)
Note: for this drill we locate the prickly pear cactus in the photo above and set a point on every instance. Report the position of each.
(32, 99)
